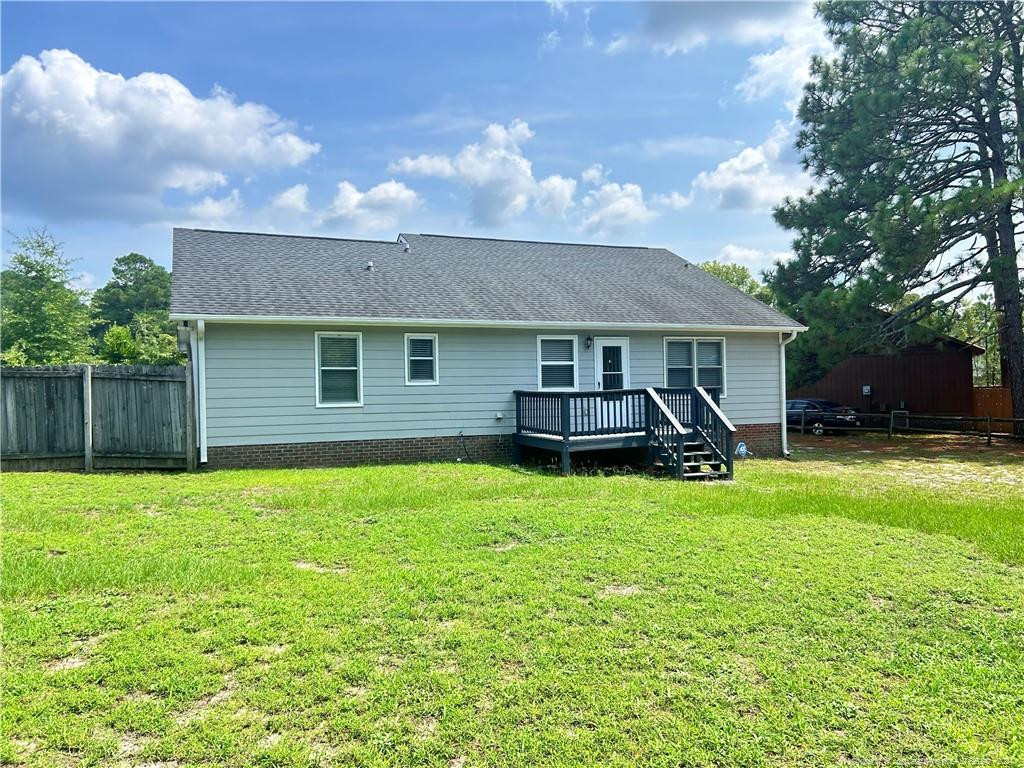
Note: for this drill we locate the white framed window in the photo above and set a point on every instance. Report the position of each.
(695, 362)
(339, 369)
(557, 363)
(421, 358)
(678, 362)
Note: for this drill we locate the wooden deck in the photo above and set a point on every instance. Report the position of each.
(683, 428)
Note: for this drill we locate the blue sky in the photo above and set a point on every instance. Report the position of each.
(656, 124)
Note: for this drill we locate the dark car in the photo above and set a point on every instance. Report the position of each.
(820, 416)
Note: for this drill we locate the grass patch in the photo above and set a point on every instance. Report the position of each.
(862, 604)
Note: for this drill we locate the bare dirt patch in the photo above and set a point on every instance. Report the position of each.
(130, 744)
(506, 546)
(303, 565)
(68, 662)
(880, 602)
(425, 727)
(199, 708)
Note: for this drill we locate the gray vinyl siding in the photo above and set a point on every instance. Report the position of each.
(261, 385)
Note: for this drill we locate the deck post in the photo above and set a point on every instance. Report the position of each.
(566, 432)
(729, 452)
(680, 467)
(649, 427)
(566, 460)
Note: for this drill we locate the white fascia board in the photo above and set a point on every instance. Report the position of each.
(457, 323)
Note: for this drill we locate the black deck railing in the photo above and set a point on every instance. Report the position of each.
(574, 415)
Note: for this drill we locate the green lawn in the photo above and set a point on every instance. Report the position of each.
(863, 604)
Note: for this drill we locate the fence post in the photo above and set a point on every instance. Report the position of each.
(803, 419)
(87, 417)
(988, 429)
(892, 422)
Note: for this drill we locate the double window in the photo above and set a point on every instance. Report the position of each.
(690, 362)
(339, 369)
(556, 363)
(421, 358)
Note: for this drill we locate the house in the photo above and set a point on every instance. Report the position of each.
(935, 376)
(314, 350)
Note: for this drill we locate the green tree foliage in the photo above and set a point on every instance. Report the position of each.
(915, 135)
(145, 341)
(137, 285)
(978, 322)
(738, 276)
(45, 320)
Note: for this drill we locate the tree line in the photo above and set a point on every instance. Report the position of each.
(46, 320)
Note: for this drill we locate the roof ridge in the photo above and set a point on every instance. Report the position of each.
(286, 234)
(538, 242)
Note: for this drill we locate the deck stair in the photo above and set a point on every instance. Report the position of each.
(685, 432)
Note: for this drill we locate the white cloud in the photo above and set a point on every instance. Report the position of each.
(672, 28)
(377, 208)
(751, 257)
(293, 199)
(757, 178)
(549, 42)
(554, 195)
(594, 174)
(786, 69)
(79, 141)
(211, 210)
(791, 27)
(499, 176)
(675, 201)
(558, 8)
(424, 165)
(612, 208)
(86, 281)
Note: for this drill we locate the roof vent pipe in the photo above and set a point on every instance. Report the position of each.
(406, 248)
(369, 266)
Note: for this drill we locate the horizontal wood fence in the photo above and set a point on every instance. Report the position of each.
(96, 417)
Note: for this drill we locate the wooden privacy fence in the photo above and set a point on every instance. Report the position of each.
(97, 417)
(992, 401)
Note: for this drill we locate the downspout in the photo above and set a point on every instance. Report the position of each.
(201, 385)
(782, 390)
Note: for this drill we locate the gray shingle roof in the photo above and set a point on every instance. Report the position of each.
(450, 278)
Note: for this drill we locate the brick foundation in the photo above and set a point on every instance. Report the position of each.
(764, 440)
(351, 452)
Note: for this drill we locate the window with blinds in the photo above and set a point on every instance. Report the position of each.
(421, 358)
(699, 362)
(556, 362)
(339, 375)
(678, 362)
